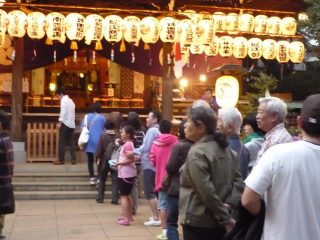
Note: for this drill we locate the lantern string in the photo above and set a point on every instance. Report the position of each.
(112, 53)
(94, 57)
(133, 58)
(54, 55)
(75, 56)
(150, 57)
(13, 55)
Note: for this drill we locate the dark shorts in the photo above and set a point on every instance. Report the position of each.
(149, 184)
(125, 185)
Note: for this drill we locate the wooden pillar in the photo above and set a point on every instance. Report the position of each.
(17, 96)
(167, 83)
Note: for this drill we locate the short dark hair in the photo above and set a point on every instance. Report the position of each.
(60, 91)
(165, 126)
(134, 120)
(251, 120)
(157, 115)
(129, 130)
(108, 124)
(96, 107)
(5, 120)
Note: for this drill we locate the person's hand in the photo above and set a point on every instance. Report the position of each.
(129, 154)
(230, 225)
(59, 125)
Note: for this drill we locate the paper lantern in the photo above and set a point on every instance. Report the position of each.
(227, 91)
(150, 30)
(219, 21)
(282, 51)
(186, 32)
(36, 23)
(184, 49)
(288, 26)
(232, 23)
(56, 26)
(204, 32)
(17, 23)
(203, 15)
(93, 30)
(240, 47)
(213, 48)
(296, 51)
(255, 48)
(196, 48)
(113, 28)
(260, 23)
(273, 25)
(246, 22)
(3, 26)
(131, 29)
(168, 29)
(75, 24)
(269, 49)
(226, 48)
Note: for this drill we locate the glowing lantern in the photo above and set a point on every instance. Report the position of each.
(184, 49)
(240, 47)
(227, 91)
(17, 23)
(296, 51)
(131, 29)
(226, 49)
(36, 24)
(186, 32)
(93, 28)
(273, 25)
(232, 23)
(56, 26)
(150, 30)
(219, 21)
(168, 29)
(3, 27)
(196, 48)
(260, 23)
(246, 22)
(203, 15)
(282, 51)
(75, 26)
(288, 26)
(255, 48)
(269, 49)
(204, 32)
(213, 48)
(113, 28)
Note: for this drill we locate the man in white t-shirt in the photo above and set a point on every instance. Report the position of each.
(288, 177)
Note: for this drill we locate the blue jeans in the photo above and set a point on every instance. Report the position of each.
(172, 218)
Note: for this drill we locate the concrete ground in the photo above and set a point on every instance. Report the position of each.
(75, 220)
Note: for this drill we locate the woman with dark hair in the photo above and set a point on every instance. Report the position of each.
(95, 123)
(210, 181)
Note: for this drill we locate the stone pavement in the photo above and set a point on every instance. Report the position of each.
(75, 220)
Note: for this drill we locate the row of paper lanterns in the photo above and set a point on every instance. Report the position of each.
(255, 48)
(198, 34)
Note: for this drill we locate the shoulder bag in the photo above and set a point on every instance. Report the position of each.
(84, 135)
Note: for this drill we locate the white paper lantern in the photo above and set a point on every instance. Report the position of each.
(227, 91)
(93, 30)
(226, 46)
(288, 26)
(17, 23)
(150, 30)
(113, 28)
(56, 26)
(131, 29)
(296, 51)
(269, 49)
(219, 21)
(273, 26)
(246, 22)
(240, 47)
(213, 48)
(168, 29)
(232, 23)
(204, 32)
(255, 48)
(282, 51)
(186, 32)
(260, 23)
(36, 24)
(196, 48)
(3, 19)
(75, 24)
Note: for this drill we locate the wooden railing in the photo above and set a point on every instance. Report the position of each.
(42, 142)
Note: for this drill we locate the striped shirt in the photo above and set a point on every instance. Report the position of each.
(6, 158)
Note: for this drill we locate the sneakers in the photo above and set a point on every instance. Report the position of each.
(93, 181)
(152, 222)
(124, 222)
(161, 236)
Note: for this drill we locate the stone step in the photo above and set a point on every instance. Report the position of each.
(50, 177)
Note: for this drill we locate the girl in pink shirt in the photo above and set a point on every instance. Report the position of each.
(126, 175)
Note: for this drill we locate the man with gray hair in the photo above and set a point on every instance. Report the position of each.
(271, 115)
(229, 123)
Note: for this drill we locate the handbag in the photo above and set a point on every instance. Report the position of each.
(84, 135)
(114, 158)
(7, 204)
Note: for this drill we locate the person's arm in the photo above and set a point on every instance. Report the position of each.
(100, 150)
(63, 110)
(127, 147)
(151, 135)
(174, 164)
(251, 201)
(152, 156)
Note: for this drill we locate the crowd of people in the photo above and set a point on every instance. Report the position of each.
(223, 177)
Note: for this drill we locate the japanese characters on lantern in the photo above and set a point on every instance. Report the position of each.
(56, 26)
(17, 23)
(282, 51)
(36, 25)
(131, 29)
(150, 30)
(168, 29)
(113, 28)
